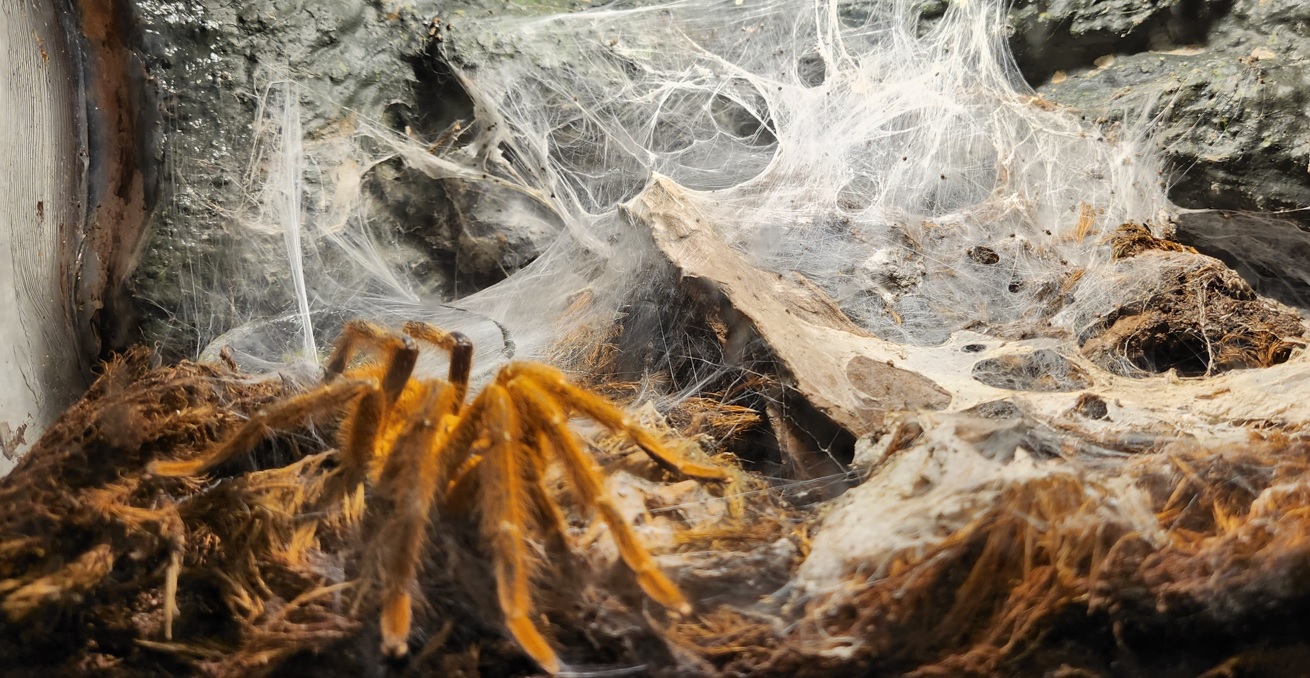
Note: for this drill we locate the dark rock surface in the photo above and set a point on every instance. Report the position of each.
(215, 63)
(1073, 34)
(1227, 82)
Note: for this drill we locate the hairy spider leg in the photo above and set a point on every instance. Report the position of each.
(359, 435)
(290, 412)
(549, 516)
(364, 426)
(461, 467)
(407, 486)
(364, 422)
(416, 477)
(457, 345)
(540, 413)
(610, 416)
(463, 488)
(362, 430)
(399, 354)
(505, 506)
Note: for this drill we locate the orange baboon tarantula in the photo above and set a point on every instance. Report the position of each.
(417, 442)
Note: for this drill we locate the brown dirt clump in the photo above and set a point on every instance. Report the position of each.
(1133, 239)
(1038, 585)
(1203, 320)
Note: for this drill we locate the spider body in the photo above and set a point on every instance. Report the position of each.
(421, 447)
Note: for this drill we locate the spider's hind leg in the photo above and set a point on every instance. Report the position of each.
(549, 516)
(616, 420)
(541, 414)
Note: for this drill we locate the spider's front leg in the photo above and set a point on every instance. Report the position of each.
(482, 440)
(457, 345)
(409, 483)
(372, 399)
(438, 439)
(506, 503)
(398, 351)
(287, 413)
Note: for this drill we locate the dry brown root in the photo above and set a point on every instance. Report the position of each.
(107, 567)
(91, 546)
(1047, 582)
(1043, 580)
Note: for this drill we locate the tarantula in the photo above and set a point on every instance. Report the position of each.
(419, 445)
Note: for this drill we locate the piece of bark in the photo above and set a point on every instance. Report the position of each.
(845, 372)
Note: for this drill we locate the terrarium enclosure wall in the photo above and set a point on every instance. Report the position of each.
(994, 313)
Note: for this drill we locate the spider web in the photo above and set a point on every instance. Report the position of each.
(897, 161)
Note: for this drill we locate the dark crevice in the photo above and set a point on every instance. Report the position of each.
(1043, 43)
(439, 98)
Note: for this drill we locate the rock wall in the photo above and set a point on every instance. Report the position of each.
(1227, 82)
